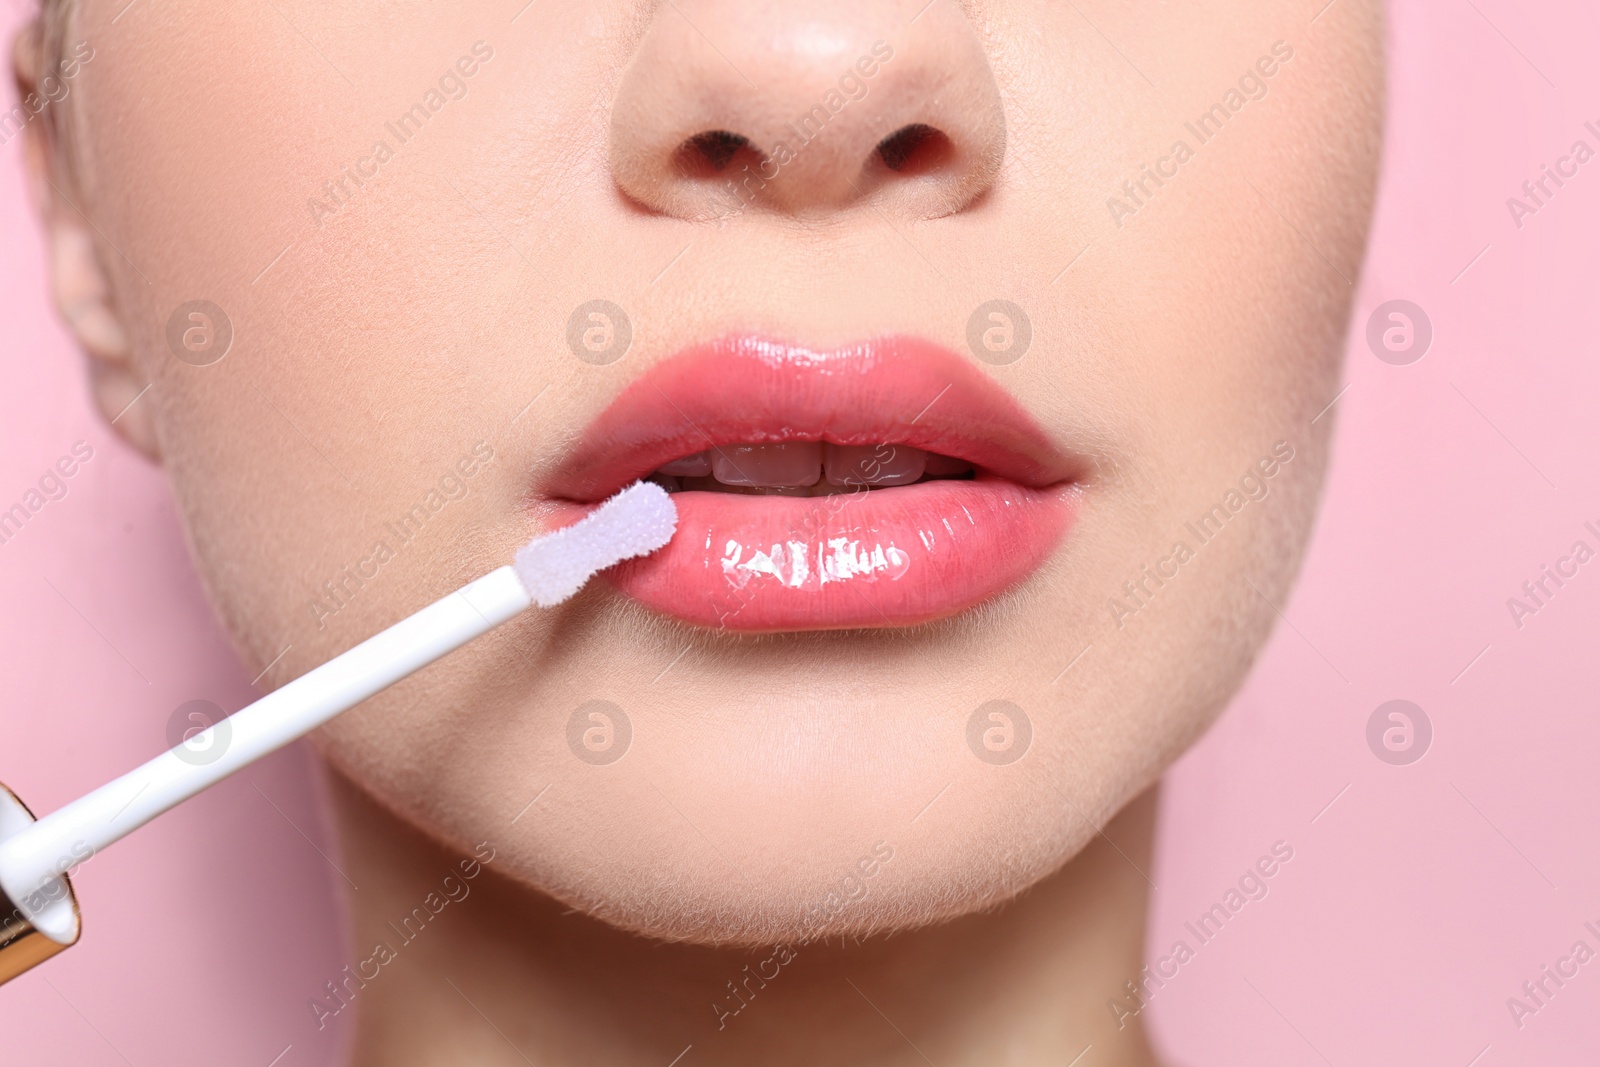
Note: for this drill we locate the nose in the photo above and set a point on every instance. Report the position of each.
(805, 108)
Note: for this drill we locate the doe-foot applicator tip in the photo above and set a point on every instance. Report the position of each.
(635, 522)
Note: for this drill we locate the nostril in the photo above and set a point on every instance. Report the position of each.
(707, 154)
(915, 149)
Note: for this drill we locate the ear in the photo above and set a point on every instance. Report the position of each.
(78, 277)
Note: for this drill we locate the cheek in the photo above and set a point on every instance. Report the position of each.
(349, 331)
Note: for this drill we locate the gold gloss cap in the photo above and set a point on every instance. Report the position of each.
(49, 925)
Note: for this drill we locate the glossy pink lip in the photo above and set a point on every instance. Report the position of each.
(885, 557)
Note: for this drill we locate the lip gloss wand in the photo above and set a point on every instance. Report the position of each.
(40, 910)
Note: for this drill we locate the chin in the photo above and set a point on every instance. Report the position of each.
(829, 818)
(756, 895)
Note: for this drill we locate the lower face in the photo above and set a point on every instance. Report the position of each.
(955, 599)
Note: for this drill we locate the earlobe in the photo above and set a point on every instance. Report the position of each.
(83, 298)
(79, 283)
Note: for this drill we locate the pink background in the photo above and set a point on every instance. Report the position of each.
(1417, 902)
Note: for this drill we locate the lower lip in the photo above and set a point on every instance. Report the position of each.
(887, 557)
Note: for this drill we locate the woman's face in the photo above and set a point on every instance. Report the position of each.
(1083, 269)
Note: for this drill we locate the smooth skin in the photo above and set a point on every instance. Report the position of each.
(390, 334)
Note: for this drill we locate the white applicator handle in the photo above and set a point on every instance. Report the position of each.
(635, 522)
(65, 837)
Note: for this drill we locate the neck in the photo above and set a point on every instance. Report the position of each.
(502, 975)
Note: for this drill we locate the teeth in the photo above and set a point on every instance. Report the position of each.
(786, 466)
(805, 468)
(711, 485)
(695, 466)
(874, 464)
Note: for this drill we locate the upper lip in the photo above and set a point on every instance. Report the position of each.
(751, 390)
